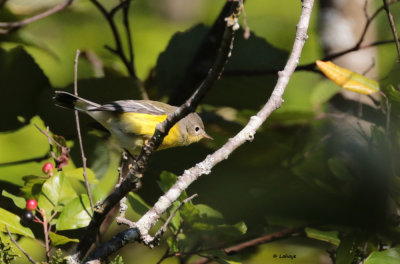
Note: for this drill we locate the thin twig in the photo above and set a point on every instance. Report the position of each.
(246, 34)
(264, 239)
(48, 136)
(125, 12)
(392, 26)
(45, 224)
(18, 246)
(118, 50)
(109, 17)
(242, 246)
(162, 230)
(51, 11)
(78, 129)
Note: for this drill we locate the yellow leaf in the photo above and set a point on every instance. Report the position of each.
(348, 79)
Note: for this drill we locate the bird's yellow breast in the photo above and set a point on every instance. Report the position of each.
(132, 129)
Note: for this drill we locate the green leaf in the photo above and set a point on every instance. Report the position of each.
(78, 174)
(167, 179)
(138, 204)
(13, 223)
(33, 186)
(327, 236)
(57, 240)
(75, 214)
(24, 94)
(172, 244)
(18, 201)
(348, 248)
(389, 256)
(207, 211)
(56, 191)
(51, 191)
(19, 148)
(250, 55)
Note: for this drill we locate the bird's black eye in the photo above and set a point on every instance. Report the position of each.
(197, 129)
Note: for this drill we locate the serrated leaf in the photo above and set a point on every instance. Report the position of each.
(78, 174)
(347, 79)
(327, 236)
(389, 256)
(18, 201)
(57, 239)
(13, 223)
(75, 214)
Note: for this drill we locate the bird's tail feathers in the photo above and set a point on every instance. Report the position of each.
(71, 101)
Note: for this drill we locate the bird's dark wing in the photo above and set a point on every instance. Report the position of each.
(136, 106)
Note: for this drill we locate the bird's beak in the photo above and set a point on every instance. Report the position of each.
(207, 136)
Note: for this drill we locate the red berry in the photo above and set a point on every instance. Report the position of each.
(31, 204)
(48, 167)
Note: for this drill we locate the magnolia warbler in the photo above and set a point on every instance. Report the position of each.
(132, 122)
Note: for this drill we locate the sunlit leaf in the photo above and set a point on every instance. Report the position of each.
(18, 201)
(389, 256)
(78, 174)
(327, 236)
(51, 191)
(76, 214)
(57, 239)
(13, 223)
(348, 79)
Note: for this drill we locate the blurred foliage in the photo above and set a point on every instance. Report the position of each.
(320, 161)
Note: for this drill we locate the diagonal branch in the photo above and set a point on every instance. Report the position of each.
(129, 62)
(20, 248)
(246, 134)
(18, 24)
(141, 231)
(162, 130)
(392, 26)
(78, 129)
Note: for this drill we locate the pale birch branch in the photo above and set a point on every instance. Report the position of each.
(18, 24)
(141, 231)
(246, 134)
